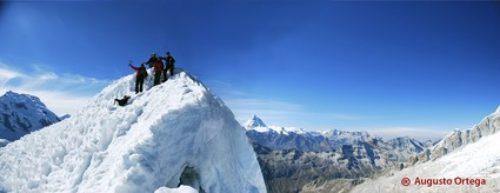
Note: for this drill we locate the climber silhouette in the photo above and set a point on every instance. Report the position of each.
(141, 74)
(169, 69)
(157, 65)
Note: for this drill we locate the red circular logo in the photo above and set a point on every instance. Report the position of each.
(405, 181)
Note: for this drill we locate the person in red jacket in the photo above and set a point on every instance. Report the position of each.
(157, 65)
(140, 75)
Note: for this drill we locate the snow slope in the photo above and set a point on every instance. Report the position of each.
(21, 114)
(479, 160)
(147, 146)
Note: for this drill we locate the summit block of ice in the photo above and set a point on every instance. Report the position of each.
(174, 137)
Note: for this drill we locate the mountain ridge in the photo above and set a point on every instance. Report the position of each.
(470, 156)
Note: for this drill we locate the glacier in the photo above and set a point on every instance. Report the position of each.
(174, 137)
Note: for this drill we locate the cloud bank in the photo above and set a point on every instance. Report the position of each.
(62, 93)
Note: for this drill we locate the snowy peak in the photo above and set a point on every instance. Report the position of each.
(22, 101)
(253, 122)
(347, 136)
(406, 147)
(406, 141)
(21, 114)
(176, 133)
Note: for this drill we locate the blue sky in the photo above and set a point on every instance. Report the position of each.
(418, 68)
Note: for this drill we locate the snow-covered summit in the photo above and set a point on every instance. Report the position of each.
(257, 124)
(21, 114)
(176, 133)
(255, 121)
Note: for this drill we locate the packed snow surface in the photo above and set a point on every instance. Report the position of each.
(479, 160)
(145, 146)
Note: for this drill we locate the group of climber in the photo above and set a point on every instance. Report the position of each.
(163, 68)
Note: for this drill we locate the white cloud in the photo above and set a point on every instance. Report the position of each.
(62, 93)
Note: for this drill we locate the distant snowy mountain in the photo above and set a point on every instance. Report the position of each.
(471, 157)
(174, 137)
(283, 138)
(255, 122)
(406, 147)
(21, 114)
(295, 160)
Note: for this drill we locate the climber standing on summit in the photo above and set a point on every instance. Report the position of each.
(141, 74)
(169, 62)
(157, 65)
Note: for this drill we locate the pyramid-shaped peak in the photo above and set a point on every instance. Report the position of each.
(255, 121)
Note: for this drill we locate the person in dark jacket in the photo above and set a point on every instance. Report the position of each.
(157, 65)
(169, 69)
(140, 75)
(122, 102)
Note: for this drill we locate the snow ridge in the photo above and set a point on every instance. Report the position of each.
(474, 156)
(146, 146)
(459, 138)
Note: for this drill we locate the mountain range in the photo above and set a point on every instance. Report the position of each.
(295, 160)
